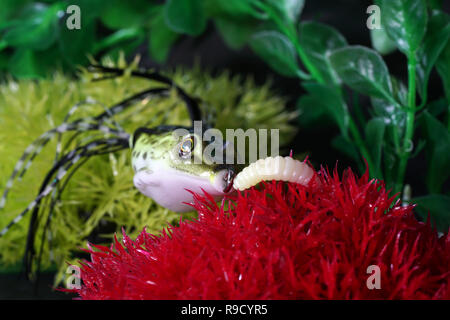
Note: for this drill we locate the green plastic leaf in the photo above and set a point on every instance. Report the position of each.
(394, 118)
(437, 206)
(443, 68)
(374, 136)
(381, 41)
(4, 59)
(390, 166)
(437, 107)
(435, 41)
(10, 7)
(318, 41)
(400, 91)
(234, 8)
(161, 38)
(312, 113)
(363, 70)
(117, 38)
(26, 63)
(35, 28)
(308, 115)
(235, 33)
(290, 9)
(91, 8)
(127, 47)
(392, 115)
(3, 45)
(438, 152)
(277, 51)
(75, 45)
(405, 21)
(185, 16)
(329, 98)
(119, 14)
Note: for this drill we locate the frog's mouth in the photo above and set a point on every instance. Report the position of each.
(173, 189)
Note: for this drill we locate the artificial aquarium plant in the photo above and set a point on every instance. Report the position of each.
(401, 121)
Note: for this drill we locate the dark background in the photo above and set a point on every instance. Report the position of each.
(209, 50)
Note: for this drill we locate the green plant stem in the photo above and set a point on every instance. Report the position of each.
(356, 107)
(312, 70)
(396, 140)
(359, 142)
(362, 147)
(410, 117)
(290, 31)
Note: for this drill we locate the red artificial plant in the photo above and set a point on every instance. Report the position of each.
(281, 241)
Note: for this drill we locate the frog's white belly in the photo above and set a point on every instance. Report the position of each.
(169, 187)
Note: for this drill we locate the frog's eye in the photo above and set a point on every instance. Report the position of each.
(186, 148)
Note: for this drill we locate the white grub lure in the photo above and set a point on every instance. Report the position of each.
(278, 168)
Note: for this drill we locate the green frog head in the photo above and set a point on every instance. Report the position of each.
(167, 165)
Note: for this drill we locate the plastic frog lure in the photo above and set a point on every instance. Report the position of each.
(162, 162)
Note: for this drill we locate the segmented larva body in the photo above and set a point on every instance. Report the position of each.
(278, 168)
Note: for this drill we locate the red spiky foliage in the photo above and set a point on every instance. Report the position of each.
(280, 241)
